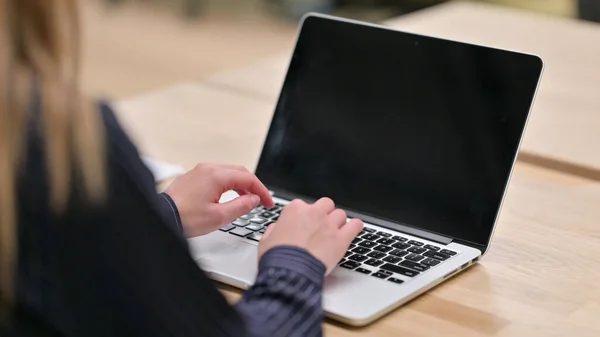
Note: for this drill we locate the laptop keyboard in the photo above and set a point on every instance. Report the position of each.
(254, 224)
(377, 253)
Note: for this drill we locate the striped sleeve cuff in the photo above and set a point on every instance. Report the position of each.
(295, 259)
(173, 208)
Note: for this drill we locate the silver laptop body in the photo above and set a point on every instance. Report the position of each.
(402, 259)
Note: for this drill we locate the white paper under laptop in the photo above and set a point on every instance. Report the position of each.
(162, 171)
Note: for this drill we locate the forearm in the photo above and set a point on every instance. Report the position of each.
(286, 299)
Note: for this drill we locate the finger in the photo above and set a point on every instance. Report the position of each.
(294, 206)
(241, 192)
(237, 207)
(325, 205)
(295, 203)
(269, 230)
(238, 180)
(350, 230)
(232, 167)
(337, 218)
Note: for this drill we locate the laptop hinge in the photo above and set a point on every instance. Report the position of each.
(445, 240)
(401, 228)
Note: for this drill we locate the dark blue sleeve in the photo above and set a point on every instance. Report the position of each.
(127, 153)
(286, 299)
(155, 278)
(170, 211)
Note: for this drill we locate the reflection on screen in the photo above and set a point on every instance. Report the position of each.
(411, 129)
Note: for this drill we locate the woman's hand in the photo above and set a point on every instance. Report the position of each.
(197, 195)
(319, 228)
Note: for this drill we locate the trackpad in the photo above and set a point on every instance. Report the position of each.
(234, 262)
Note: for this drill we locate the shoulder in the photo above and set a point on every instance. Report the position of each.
(114, 130)
(124, 159)
(120, 148)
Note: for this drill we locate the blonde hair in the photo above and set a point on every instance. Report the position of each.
(39, 43)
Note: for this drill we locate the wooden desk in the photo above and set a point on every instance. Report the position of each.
(540, 278)
(563, 132)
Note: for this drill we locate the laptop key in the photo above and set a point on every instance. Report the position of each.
(401, 245)
(416, 243)
(259, 221)
(227, 228)
(356, 240)
(383, 271)
(268, 223)
(430, 247)
(255, 236)
(380, 275)
(267, 214)
(448, 252)
(262, 231)
(371, 237)
(273, 209)
(240, 231)
(361, 250)
(357, 257)
(392, 259)
(438, 256)
(254, 227)
(383, 248)
(376, 255)
(348, 253)
(275, 218)
(247, 217)
(373, 262)
(431, 262)
(395, 280)
(386, 241)
(370, 230)
(349, 264)
(417, 250)
(363, 271)
(414, 265)
(398, 252)
(399, 270)
(387, 235)
(399, 238)
(367, 244)
(240, 222)
(414, 257)
(256, 210)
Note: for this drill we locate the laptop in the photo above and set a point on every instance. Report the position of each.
(415, 135)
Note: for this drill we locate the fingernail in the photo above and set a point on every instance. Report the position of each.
(255, 200)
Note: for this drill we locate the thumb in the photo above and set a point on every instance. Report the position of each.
(350, 230)
(239, 206)
(269, 230)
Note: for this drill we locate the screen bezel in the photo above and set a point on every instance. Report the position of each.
(370, 218)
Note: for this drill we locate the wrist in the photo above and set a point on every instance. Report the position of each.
(295, 259)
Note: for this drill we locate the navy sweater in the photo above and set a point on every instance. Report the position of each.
(124, 269)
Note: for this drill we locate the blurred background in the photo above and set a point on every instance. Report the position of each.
(135, 46)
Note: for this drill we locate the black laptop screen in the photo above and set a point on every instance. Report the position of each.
(412, 129)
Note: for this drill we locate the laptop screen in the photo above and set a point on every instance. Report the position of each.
(412, 129)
